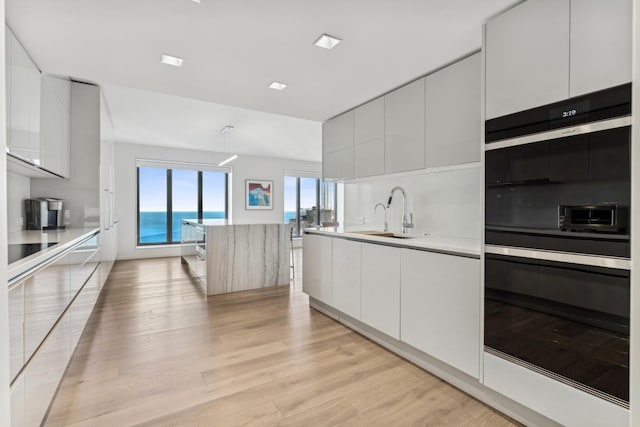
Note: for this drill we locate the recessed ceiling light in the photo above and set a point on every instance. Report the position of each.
(326, 41)
(171, 60)
(196, 1)
(277, 85)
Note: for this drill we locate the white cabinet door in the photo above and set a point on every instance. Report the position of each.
(346, 277)
(18, 409)
(45, 370)
(404, 128)
(527, 57)
(600, 44)
(337, 147)
(380, 299)
(338, 164)
(46, 296)
(16, 330)
(23, 107)
(317, 267)
(337, 133)
(453, 114)
(566, 405)
(55, 125)
(441, 307)
(369, 139)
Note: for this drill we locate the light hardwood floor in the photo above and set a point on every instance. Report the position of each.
(156, 352)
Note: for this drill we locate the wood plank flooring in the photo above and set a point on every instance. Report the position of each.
(156, 352)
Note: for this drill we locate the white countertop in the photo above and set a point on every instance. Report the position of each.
(64, 239)
(445, 244)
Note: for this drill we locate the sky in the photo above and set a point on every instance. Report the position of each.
(153, 190)
(307, 193)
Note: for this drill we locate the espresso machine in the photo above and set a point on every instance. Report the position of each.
(44, 213)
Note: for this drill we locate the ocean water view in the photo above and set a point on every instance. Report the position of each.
(288, 216)
(153, 225)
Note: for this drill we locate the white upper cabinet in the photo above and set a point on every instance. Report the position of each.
(337, 147)
(23, 101)
(337, 133)
(404, 128)
(527, 57)
(431, 122)
(453, 114)
(600, 44)
(369, 139)
(38, 114)
(55, 125)
(338, 164)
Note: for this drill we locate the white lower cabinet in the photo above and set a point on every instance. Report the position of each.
(17, 402)
(43, 373)
(560, 402)
(317, 266)
(46, 321)
(440, 302)
(380, 299)
(346, 276)
(16, 330)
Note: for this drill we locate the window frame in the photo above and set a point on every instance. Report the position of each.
(319, 181)
(199, 168)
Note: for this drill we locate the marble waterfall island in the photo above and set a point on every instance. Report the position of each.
(230, 257)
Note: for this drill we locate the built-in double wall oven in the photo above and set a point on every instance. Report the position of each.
(557, 245)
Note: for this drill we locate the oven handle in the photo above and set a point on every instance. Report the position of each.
(561, 133)
(572, 258)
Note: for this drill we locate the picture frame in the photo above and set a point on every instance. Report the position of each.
(258, 194)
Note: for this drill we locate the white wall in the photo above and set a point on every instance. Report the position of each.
(18, 189)
(5, 414)
(244, 167)
(443, 202)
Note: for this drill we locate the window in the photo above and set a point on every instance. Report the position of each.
(302, 196)
(166, 196)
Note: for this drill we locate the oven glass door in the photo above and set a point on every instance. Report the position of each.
(567, 321)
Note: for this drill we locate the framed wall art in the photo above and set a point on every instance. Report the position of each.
(259, 194)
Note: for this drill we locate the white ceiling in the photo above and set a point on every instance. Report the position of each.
(144, 117)
(234, 48)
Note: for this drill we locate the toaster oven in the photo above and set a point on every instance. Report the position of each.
(608, 218)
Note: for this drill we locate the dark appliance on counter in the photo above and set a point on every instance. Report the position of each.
(44, 213)
(558, 192)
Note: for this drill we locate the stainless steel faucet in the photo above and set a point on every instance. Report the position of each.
(406, 223)
(384, 208)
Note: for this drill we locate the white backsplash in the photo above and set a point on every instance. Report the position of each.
(443, 202)
(18, 189)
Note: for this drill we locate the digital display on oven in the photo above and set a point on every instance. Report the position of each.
(570, 112)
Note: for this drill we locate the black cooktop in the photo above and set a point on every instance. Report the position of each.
(22, 250)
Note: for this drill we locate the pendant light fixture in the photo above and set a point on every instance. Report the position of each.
(226, 132)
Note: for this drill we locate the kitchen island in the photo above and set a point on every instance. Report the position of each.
(228, 257)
